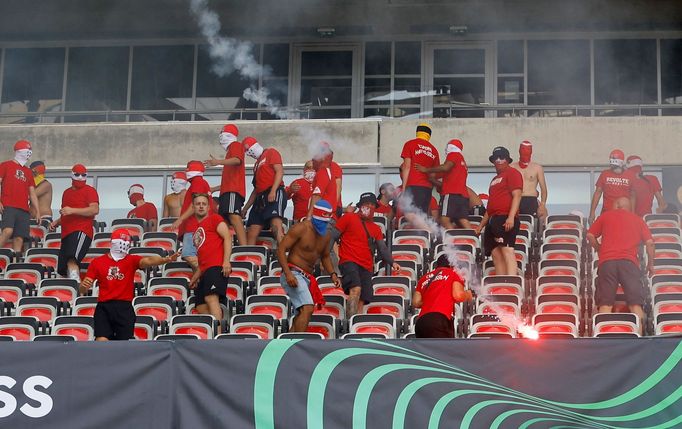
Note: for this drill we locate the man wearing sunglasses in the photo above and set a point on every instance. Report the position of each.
(80, 205)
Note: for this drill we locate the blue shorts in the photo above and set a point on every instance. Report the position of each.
(300, 295)
(188, 247)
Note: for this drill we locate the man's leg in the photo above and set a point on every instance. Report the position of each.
(189, 252)
(499, 261)
(639, 311)
(445, 222)
(252, 233)
(238, 224)
(277, 228)
(300, 322)
(73, 269)
(213, 308)
(5, 235)
(464, 223)
(509, 260)
(604, 309)
(18, 245)
(354, 302)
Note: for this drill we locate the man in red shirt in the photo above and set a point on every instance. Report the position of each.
(115, 274)
(325, 185)
(437, 293)
(418, 185)
(268, 198)
(502, 213)
(360, 238)
(232, 184)
(80, 205)
(186, 223)
(454, 201)
(301, 190)
(18, 187)
(213, 241)
(613, 183)
(645, 188)
(621, 232)
(143, 209)
(387, 194)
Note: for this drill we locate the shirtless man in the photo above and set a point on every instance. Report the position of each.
(533, 175)
(476, 205)
(44, 193)
(306, 242)
(173, 201)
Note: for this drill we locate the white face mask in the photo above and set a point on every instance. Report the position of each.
(22, 156)
(193, 174)
(452, 148)
(226, 139)
(255, 151)
(178, 185)
(309, 176)
(119, 249)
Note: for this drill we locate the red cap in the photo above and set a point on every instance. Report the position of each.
(232, 129)
(121, 234)
(180, 175)
(195, 166)
(458, 143)
(79, 168)
(617, 154)
(22, 144)
(632, 158)
(248, 142)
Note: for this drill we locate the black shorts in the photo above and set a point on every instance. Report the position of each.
(353, 276)
(421, 197)
(613, 273)
(434, 325)
(529, 206)
(495, 235)
(477, 211)
(74, 246)
(212, 282)
(454, 206)
(115, 320)
(264, 211)
(230, 203)
(17, 219)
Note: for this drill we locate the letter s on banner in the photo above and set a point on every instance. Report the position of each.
(9, 402)
(42, 398)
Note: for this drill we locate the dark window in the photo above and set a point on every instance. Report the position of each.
(378, 58)
(408, 58)
(671, 71)
(625, 71)
(509, 56)
(558, 72)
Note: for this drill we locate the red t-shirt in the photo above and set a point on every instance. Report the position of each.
(613, 187)
(324, 185)
(644, 188)
(78, 198)
(115, 278)
(384, 209)
(209, 243)
(455, 180)
(420, 152)
(264, 170)
(301, 198)
(621, 233)
(146, 211)
(500, 191)
(337, 173)
(354, 245)
(234, 176)
(437, 295)
(197, 185)
(16, 181)
(433, 204)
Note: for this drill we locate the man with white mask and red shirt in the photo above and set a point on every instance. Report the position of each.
(614, 182)
(533, 176)
(142, 209)
(18, 187)
(80, 205)
(233, 180)
(172, 203)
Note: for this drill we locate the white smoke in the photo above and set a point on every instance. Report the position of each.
(230, 54)
(418, 219)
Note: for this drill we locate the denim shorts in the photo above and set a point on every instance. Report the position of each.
(188, 247)
(300, 295)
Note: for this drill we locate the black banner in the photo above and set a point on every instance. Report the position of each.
(582, 383)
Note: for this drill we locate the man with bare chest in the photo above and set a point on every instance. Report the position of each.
(306, 243)
(172, 203)
(533, 175)
(44, 194)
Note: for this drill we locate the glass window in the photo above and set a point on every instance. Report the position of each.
(568, 191)
(326, 82)
(219, 90)
(558, 72)
(276, 56)
(625, 71)
(355, 184)
(162, 79)
(459, 61)
(113, 193)
(377, 58)
(377, 90)
(97, 80)
(510, 90)
(671, 71)
(33, 81)
(408, 58)
(327, 63)
(509, 56)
